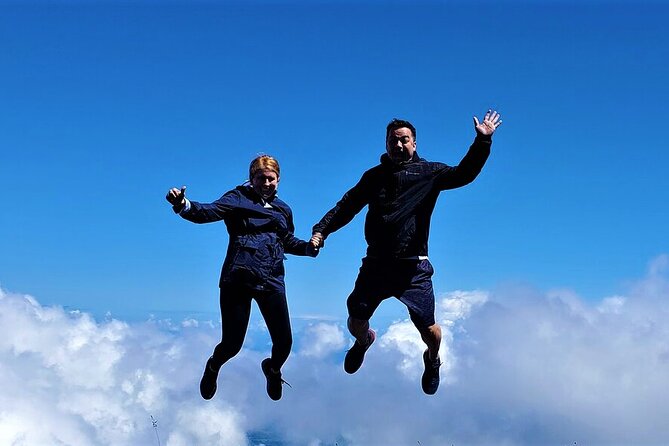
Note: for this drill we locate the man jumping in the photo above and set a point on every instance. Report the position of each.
(401, 193)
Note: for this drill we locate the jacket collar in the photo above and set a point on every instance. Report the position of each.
(388, 163)
(254, 196)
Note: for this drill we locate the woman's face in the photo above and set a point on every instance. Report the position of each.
(265, 182)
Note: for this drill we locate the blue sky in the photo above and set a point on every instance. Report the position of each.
(106, 105)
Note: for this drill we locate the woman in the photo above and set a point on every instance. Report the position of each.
(261, 230)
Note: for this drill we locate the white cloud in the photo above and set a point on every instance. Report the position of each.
(68, 379)
(190, 323)
(402, 337)
(520, 367)
(207, 425)
(613, 304)
(322, 339)
(457, 305)
(402, 340)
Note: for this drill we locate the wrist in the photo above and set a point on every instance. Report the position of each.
(179, 207)
(482, 137)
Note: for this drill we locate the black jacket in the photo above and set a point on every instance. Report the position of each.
(260, 232)
(401, 198)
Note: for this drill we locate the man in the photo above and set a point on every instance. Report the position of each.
(401, 193)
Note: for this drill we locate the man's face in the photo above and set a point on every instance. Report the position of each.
(265, 182)
(400, 144)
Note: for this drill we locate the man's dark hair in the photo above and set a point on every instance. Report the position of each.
(398, 124)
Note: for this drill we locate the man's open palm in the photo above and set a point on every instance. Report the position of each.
(491, 121)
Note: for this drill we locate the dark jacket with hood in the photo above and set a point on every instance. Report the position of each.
(260, 230)
(401, 198)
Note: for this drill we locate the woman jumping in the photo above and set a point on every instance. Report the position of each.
(261, 230)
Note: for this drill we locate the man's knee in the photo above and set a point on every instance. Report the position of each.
(355, 323)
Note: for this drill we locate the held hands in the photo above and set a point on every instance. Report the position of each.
(491, 121)
(317, 240)
(315, 244)
(176, 197)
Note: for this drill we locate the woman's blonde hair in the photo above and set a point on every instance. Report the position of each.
(263, 162)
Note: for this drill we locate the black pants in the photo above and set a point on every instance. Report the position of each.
(235, 312)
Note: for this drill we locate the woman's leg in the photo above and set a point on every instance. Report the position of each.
(274, 309)
(235, 312)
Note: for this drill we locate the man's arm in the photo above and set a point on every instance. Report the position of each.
(472, 163)
(343, 212)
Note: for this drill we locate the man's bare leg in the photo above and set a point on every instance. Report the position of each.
(359, 328)
(432, 337)
(364, 337)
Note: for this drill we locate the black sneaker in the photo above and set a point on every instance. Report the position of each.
(356, 354)
(208, 381)
(274, 380)
(430, 381)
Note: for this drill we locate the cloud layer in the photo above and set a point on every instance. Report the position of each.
(520, 366)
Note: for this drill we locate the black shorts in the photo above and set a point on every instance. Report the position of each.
(408, 280)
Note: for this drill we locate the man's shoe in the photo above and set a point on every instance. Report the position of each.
(274, 380)
(430, 380)
(356, 354)
(208, 381)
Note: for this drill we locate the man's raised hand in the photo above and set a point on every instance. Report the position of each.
(491, 121)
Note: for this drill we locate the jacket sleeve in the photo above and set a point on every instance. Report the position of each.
(292, 244)
(348, 207)
(211, 212)
(470, 166)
